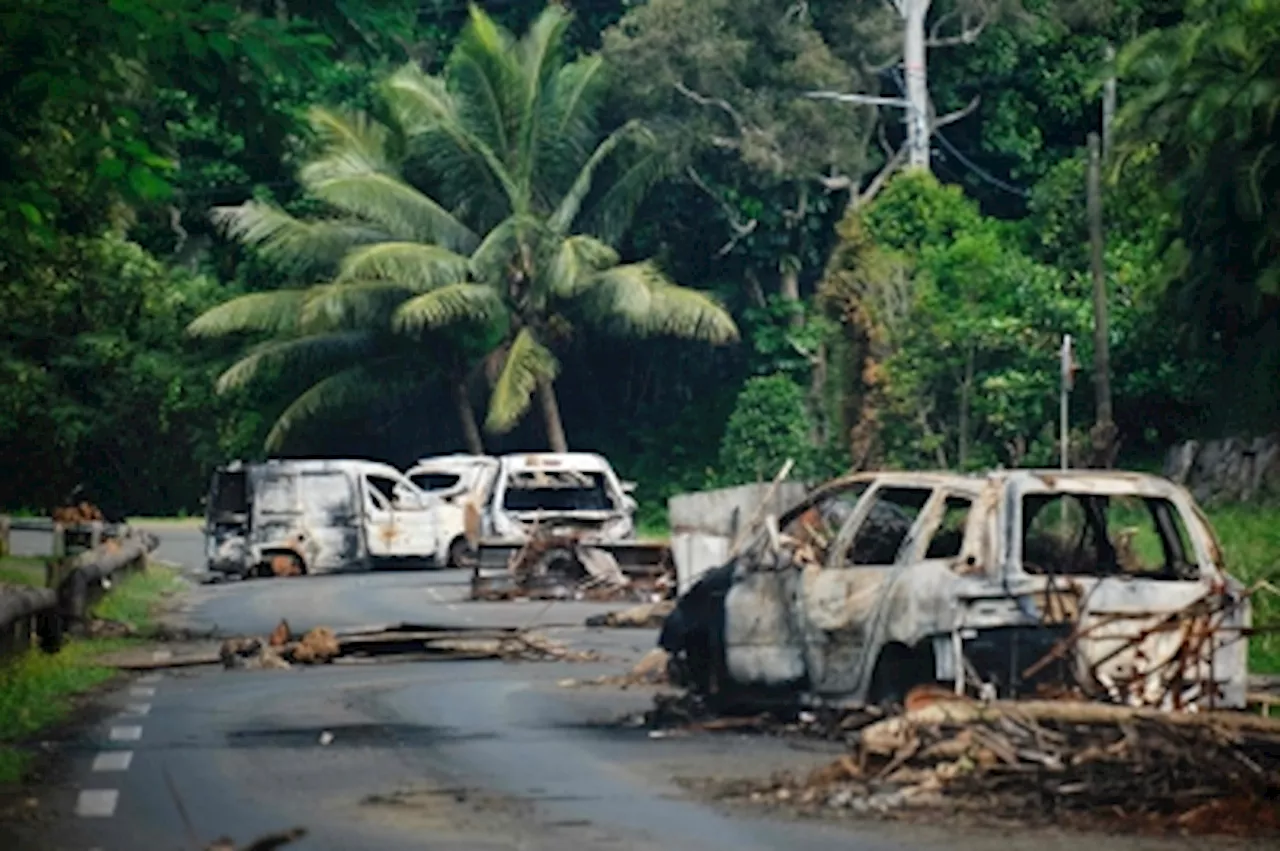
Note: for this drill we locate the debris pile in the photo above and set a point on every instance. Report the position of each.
(75, 515)
(263, 843)
(643, 616)
(406, 642)
(1078, 764)
(651, 670)
(567, 566)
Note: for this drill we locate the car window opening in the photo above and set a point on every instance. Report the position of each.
(1100, 535)
(883, 531)
(557, 490)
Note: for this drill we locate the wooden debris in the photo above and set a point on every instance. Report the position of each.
(643, 616)
(317, 646)
(1072, 763)
(270, 842)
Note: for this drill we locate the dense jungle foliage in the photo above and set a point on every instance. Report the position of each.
(230, 228)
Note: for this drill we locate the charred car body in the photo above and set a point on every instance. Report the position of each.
(562, 517)
(1107, 584)
(291, 517)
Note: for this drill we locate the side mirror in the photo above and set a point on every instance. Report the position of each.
(629, 504)
(628, 487)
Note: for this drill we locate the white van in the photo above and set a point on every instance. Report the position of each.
(294, 517)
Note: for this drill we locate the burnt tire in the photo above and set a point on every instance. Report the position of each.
(462, 556)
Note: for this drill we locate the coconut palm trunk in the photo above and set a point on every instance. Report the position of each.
(551, 416)
(467, 417)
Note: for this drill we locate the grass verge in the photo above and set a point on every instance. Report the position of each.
(1250, 536)
(38, 690)
(17, 570)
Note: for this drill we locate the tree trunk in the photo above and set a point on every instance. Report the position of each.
(551, 416)
(1104, 431)
(966, 397)
(467, 417)
(915, 62)
(790, 291)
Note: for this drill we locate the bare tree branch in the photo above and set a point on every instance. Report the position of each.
(860, 199)
(740, 228)
(703, 100)
(968, 34)
(953, 117)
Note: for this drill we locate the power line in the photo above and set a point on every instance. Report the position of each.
(964, 160)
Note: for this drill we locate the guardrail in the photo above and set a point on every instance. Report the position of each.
(73, 582)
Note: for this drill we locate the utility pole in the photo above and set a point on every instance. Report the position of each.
(1103, 436)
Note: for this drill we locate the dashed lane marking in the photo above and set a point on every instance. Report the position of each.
(142, 691)
(149, 678)
(113, 761)
(97, 803)
(161, 655)
(125, 734)
(138, 709)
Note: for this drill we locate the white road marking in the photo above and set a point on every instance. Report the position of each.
(435, 595)
(97, 803)
(138, 709)
(149, 678)
(126, 734)
(162, 655)
(142, 691)
(113, 761)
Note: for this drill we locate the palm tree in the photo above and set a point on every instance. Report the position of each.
(1207, 94)
(525, 199)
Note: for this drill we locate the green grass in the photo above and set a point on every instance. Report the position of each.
(38, 689)
(16, 570)
(135, 599)
(1250, 536)
(181, 520)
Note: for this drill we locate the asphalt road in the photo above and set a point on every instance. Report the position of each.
(458, 756)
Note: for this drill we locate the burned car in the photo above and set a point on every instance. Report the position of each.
(562, 520)
(1105, 584)
(294, 517)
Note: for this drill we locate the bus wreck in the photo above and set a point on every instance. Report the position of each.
(1103, 584)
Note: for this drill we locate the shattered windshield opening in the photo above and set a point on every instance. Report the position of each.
(230, 496)
(557, 490)
(435, 481)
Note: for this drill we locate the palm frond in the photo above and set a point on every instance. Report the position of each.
(299, 353)
(562, 219)
(419, 102)
(612, 211)
(501, 245)
(637, 299)
(290, 243)
(577, 260)
(447, 305)
(482, 72)
(353, 304)
(405, 212)
(353, 134)
(359, 385)
(526, 363)
(540, 54)
(275, 312)
(411, 264)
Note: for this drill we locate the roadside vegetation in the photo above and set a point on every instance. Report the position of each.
(40, 690)
(17, 570)
(1250, 537)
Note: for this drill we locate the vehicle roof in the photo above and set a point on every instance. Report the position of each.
(1100, 481)
(590, 461)
(313, 465)
(456, 461)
